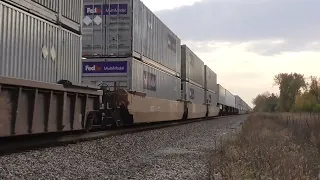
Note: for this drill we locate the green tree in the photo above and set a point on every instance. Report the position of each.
(306, 102)
(265, 102)
(290, 86)
(314, 87)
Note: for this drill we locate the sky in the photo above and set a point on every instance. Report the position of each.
(247, 42)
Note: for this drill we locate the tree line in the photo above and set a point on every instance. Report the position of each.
(297, 94)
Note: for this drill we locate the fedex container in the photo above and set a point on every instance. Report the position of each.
(125, 28)
(230, 99)
(193, 93)
(65, 12)
(210, 79)
(34, 49)
(192, 67)
(133, 75)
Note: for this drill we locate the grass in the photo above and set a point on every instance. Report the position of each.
(270, 146)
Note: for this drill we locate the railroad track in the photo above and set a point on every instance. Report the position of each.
(27, 143)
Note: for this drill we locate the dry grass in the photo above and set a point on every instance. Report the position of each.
(270, 146)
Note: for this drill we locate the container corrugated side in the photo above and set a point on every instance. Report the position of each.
(107, 34)
(34, 49)
(132, 75)
(221, 95)
(69, 56)
(230, 99)
(210, 79)
(130, 29)
(193, 93)
(144, 76)
(159, 43)
(192, 67)
(66, 12)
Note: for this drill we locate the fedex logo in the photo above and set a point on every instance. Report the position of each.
(93, 68)
(94, 10)
(104, 67)
(106, 9)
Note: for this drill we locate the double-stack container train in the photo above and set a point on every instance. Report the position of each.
(133, 69)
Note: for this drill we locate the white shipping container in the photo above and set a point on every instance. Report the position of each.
(221, 95)
(35, 49)
(125, 28)
(192, 67)
(210, 79)
(65, 12)
(212, 98)
(238, 103)
(132, 75)
(193, 93)
(230, 99)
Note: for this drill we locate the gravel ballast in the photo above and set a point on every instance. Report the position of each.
(179, 152)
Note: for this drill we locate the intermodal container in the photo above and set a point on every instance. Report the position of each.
(238, 102)
(34, 49)
(193, 93)
(65, 12)
(210, 79)
(127, 28)
(230, 99)
(211, 98)
(192, 67)
(221, 95)
(133, 75)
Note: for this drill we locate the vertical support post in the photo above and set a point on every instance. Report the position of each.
(75, 117)
(15, 112)
(85, 111)
(63, 114)
(49, 110)
(34, 113)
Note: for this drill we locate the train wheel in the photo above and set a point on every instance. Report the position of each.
(117, 119)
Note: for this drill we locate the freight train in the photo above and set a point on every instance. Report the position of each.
(134, 69)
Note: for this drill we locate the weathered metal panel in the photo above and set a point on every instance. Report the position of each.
(133, 75)
(72, 10)
(31, 107)
(34, 49)
(238, 102)
(221, 95)
(124, 28)
(66, 12)
(193, 93)
(159, 43)
(192, 68)
(212, 98)
(69, 56)
(210, 79)
(144, 77)
(230, 99)
(142, 108)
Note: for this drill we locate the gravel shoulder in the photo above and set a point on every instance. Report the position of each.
(179, 152)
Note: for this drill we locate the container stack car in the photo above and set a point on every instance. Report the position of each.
(124, 42)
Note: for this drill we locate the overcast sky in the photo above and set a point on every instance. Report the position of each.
(247, 42)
